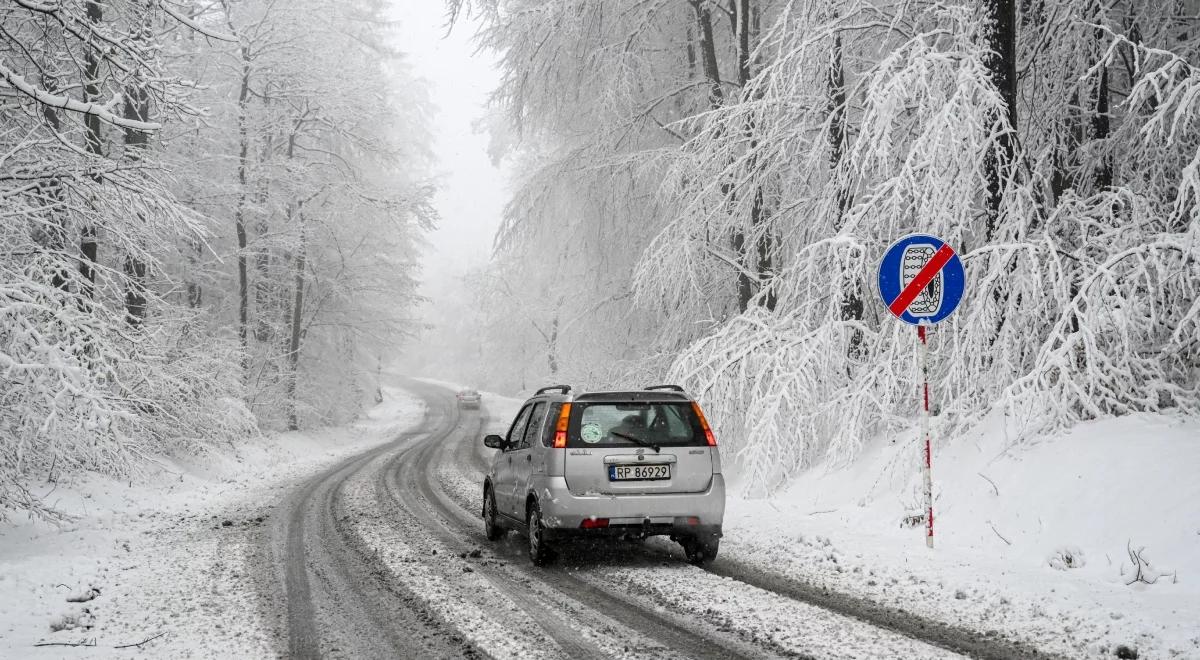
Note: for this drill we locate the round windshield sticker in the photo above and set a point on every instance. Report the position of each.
(591, 433)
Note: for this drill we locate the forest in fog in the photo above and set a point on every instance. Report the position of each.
(213, 214)
(211, 217)
(706, 188)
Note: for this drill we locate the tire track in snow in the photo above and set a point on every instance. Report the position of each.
(394, 486)
(338, 602)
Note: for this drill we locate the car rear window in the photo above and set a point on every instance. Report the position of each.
(669, 424)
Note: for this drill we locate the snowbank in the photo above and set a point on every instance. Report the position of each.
(1032, 540)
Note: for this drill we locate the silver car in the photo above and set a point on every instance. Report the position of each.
(468, 398)
(620, 464)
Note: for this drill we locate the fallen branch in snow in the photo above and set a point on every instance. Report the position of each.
(139, 644)
(86, 642)
(83, 596)
(994, 488)
(998, 533)
(1143, 571)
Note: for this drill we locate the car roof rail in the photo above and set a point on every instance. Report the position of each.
(565, 389)
(664, 387)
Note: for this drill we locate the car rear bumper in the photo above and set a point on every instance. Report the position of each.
(633, 514)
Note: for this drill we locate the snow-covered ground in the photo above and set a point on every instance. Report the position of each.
(1032, 542)
(1032, 539)
(167, 556)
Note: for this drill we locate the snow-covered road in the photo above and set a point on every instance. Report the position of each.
(384, 555)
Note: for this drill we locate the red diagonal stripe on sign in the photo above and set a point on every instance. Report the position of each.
(922, 280)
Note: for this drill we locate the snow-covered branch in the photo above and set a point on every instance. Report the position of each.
(62, 102)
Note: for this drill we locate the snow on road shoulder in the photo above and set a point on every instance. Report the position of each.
(786, 626)
(169, 553)
(1032, 540)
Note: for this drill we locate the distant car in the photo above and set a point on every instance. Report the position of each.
(468, 398)
(628, 464)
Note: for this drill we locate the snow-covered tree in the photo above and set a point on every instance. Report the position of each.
(98, 366)
(211, 224)
(771, 152)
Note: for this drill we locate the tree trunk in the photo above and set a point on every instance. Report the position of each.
(1101, 122)
(239, 221)
(297, 317)
(852, 304)
(137, 106)
(195, 292)
(766, 250)
(708, 53)
(89, 245)
(690, 38)
(1002, 66)
(52, 194)
(263, 307)
(552, 348)
(745, 16)
(741, 29)
(741, 13)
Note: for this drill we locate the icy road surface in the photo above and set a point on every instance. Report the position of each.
(383, 555)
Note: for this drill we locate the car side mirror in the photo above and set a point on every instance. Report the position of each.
(493, 441)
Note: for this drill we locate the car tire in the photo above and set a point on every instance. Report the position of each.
(700, 551)
(491, 526)
(540, 552)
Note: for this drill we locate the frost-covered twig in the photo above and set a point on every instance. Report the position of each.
(141, 643)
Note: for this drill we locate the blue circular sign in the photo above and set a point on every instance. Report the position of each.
(921, 279)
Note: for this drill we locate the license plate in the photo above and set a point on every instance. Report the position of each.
(638, 472)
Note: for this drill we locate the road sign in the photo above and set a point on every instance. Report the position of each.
(921, 282)
(921, 279)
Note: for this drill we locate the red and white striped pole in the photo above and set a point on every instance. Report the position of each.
(923, 350)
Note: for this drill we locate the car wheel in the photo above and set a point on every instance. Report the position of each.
(491, 527)
(540, 552)
(700, 551)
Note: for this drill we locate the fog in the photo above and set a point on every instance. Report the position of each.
(470, 198)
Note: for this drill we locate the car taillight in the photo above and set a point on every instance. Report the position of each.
(708, 434)
(560, 430)
(593, 523)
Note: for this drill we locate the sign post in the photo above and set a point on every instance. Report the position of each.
(921, 282)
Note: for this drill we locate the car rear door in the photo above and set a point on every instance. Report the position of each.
(602, 459)
(504, 479)
(524, 456)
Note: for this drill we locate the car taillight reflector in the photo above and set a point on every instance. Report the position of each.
(708, 434)
(594, 523)
(560, 429)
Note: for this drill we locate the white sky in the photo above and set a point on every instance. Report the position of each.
(471, 192)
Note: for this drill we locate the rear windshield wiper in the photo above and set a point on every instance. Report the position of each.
(644, 443)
